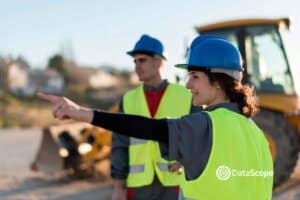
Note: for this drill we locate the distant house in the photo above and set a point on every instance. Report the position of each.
(20, 79)
(93, 77)
(102, 79)
(48, 81)
(23, 81)
(17, 78)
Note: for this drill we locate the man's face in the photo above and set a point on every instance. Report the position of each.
(146, 67)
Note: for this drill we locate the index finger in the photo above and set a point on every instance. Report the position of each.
(49, 97)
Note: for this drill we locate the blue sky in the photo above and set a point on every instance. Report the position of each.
(100, 32)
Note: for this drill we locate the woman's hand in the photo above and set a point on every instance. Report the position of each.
(64, 108)
(176, 167)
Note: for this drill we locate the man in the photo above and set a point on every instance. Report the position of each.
(137, 168)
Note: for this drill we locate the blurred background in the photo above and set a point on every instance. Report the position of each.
(78, 49)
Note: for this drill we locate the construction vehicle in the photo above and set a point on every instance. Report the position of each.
(267, 68)
(58, 149)
(94, 148)
(77, 149)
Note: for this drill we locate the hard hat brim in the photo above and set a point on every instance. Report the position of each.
(151, 53)
(235, 74)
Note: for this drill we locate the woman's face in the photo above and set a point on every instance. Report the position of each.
(204, 93)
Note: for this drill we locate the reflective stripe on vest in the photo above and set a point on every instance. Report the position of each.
(163, 166)
(136, 168)
(134, 141)
(238, 146)
(141, 168)
(175, 102)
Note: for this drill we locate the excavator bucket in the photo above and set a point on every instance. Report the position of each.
(48, 159)
(76, 147)
(58, 148)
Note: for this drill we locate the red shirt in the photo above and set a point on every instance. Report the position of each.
(153, 99)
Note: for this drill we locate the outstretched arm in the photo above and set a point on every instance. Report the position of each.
(64, 108)
(129, 125)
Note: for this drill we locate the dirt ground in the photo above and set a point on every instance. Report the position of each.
(17, 182)
(17, 150)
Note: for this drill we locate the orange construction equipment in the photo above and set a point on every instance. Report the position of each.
(78, 149)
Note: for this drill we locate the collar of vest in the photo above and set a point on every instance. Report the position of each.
(161, 86)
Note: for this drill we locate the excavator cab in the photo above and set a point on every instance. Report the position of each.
(267, 69)
(265, 61)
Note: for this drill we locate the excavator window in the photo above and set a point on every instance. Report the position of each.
(266, 61)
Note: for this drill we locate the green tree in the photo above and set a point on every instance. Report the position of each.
(22, 61)
(57, 63)
(3, 75)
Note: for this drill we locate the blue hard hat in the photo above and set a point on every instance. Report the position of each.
(147, 44)
(213, 53)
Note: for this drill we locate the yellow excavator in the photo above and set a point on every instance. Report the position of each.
(267, 68)
(76, 149)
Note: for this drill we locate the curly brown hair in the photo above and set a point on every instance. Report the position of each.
(243, 95)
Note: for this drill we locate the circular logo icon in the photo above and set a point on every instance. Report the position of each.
(223, 173)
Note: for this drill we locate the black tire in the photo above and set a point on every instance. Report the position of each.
(284, 140)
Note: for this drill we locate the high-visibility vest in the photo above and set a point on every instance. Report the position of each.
(240, 164)
(144, 155)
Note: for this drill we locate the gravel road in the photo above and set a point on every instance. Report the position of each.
(17, 182)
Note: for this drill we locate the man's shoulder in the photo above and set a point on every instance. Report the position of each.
(178, 87)
(132, 91)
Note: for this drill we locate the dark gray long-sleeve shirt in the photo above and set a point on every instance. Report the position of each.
(119, 167)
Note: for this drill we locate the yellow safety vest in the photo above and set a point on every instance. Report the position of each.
(240, 165)
(144, 155)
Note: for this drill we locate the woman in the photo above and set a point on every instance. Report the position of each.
(220, 148)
